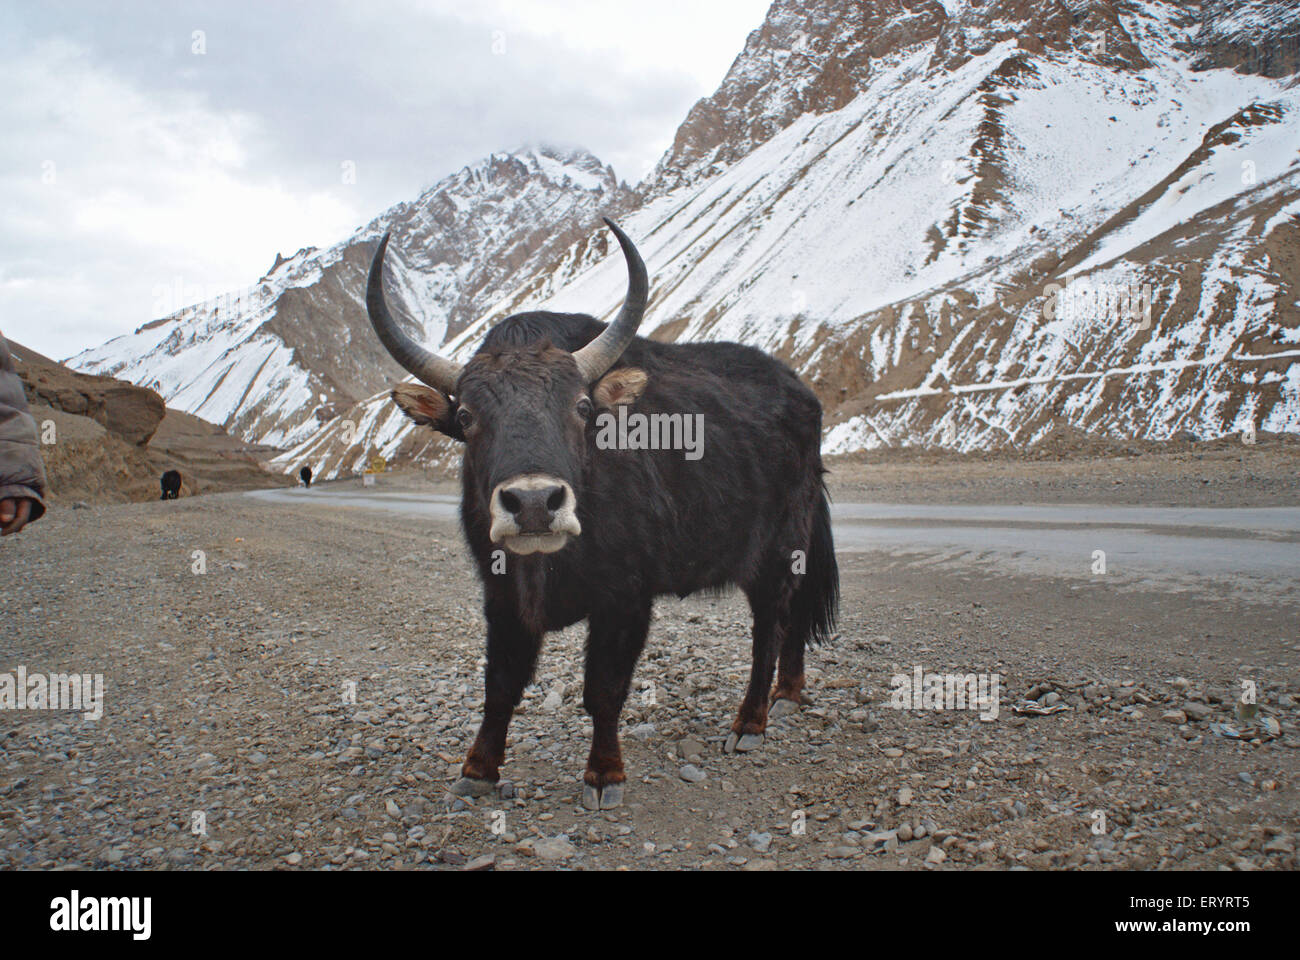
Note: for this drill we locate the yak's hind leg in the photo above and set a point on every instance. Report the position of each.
(788, 694)
(769, 599)
(614, 643)
(812, 610)
(511, 654)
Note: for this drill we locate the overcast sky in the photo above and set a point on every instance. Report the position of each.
(138, 153)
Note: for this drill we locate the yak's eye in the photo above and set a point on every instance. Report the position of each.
(464, 419)
(584, 408)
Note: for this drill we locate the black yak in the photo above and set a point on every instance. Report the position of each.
(305, 476)
(566, 521)
(171, 485)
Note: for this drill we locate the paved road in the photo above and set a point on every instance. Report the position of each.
(1247, 552)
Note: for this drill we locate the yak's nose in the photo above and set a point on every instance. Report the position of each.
(533, 507)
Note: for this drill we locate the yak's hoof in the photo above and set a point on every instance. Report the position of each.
(602, 798)
(469, 787)
(782, 708)
(743, 743)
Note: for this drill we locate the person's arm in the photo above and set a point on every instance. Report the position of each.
(22, 474)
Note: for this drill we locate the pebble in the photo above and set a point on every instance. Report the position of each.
(692, 774)
(551, 848)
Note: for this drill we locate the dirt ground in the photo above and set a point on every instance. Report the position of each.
(225, 691)
(1218, 473)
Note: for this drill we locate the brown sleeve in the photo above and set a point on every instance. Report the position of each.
(22, 474)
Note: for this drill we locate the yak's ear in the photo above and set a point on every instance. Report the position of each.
(428, 407)
(619, 387)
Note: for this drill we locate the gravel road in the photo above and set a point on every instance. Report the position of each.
(226, 708)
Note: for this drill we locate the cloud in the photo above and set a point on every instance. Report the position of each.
(155, 141)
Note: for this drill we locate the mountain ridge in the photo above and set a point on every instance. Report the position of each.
(881, 193)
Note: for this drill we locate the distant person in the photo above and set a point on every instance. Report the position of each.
(171, 485)
(22, 474)
(305, 474)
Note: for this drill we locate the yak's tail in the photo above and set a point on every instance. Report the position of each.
(816, 602)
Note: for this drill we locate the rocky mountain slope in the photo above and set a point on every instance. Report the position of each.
(968, 225)
(108, 441)
(272, 362)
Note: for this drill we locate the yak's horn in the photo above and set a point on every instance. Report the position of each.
(437, 372)
(603, 352)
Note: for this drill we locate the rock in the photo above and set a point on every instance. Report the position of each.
(393, 810)
(130, 412)
(1197, 711)
(553, 702)
(905, 797)
(905, 833)
(642, 731)
(692, 774)
(293, 859)
(881, 841)
(842, 853)
(1173, 716)
(936, 855)
(486, 862)
(551, 848)
(690, 749)
(1279, 844)
(761, 842)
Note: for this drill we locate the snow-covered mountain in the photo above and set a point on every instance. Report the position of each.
(273, 362)
(967, 224)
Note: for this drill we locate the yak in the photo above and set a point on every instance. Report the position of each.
(305, 476)
(171, 485)
(564, 527)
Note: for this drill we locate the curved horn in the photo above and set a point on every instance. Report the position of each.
(603, 352)
(428, 367)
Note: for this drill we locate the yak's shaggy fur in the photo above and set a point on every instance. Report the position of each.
(752, 513)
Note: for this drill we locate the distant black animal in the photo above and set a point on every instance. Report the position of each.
(305, 475)
(568, 518)
(171, 485)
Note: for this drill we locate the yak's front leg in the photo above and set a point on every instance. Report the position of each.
(511, 654)
(614, 643)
